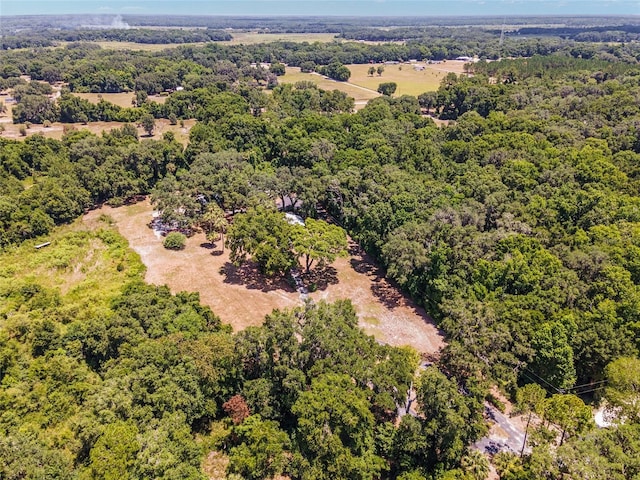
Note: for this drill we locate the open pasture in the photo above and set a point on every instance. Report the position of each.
(360, 94)
(410, 80)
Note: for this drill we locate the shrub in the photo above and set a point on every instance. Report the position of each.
(175, 241)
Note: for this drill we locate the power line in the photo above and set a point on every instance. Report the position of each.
(588, 384)
(548, 383)
(591, 390)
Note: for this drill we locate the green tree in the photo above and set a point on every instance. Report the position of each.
(452, 420)
(148, 123)
(380, 69)
(336, 71)
(371, 71)
(261, 449)
(335, 431)
(603, 454)
(475, 465)
(140, 98)
(569, 413)
(114, 454)
(319, 241)
(277, 68)
(387, 88)
(427, 100)
(530, 400)
(554, 355)
(623, 389)
(214, 223)
(264, 235)
(168, 450)
(177, 207)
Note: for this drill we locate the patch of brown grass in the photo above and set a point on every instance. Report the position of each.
(242, 297)
(123, 99)
(252, 38)
(56, 130)
(410, 81)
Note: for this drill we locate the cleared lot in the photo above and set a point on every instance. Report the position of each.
(242, 297)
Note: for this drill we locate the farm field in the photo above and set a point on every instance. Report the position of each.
(242, 298)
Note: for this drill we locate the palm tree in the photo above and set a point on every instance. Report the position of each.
(214, 223)
(475, 464)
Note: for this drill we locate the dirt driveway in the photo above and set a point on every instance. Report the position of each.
(242, 297)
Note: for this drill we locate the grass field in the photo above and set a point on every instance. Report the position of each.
(56, 130)
(410, 81)
(363, 87)
(360, 95)
(86, 262)
(120, 99)
(239, 37)
(147, 47)
(251, 38)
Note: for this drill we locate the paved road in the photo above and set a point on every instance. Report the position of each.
(503, 434)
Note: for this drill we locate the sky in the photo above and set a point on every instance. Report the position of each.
(323, 7)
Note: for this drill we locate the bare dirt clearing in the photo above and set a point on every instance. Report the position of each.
(123, 100)
(241, 297)
(56, 130)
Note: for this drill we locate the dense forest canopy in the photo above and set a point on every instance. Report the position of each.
(516, 224)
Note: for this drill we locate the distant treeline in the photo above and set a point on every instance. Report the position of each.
(138, 35)
(141, 35)
(293, 24)
(582, 33)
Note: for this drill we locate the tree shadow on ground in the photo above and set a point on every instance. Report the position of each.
(249, 275)
(215, 251)
(321, 276)
(385, 291)
(382, 288)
